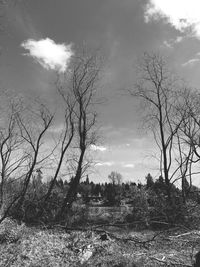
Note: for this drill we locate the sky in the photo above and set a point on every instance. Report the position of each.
(38, 39)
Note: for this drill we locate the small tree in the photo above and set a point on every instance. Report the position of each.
(140, 207)
(149, 181)
(115, 178)
(110, 195)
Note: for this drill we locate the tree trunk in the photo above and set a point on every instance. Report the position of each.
(72, 192)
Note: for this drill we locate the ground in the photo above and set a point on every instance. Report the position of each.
(36, 247)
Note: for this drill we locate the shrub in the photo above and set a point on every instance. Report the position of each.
(192, 218)
(77, 216)
(11, 231)
(140, 208)
(164, 211)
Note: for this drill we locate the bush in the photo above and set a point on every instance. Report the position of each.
(152, 208)
(192, 218)
(164, 211)
(140, 208)
(11, 231)
(77, 216)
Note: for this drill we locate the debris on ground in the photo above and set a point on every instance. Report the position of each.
(100, 247)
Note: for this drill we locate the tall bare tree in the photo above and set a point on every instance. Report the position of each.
(12, 159)
(190, 128)
(159, 92)
(32, 131)
(65, 138)
(82, 87)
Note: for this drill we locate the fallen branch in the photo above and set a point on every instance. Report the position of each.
(159, 260)
(112, 235)
(169, 263)
(187, 233)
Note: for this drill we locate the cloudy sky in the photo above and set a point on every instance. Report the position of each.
(38, 39)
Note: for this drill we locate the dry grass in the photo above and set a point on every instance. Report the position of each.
(45, 248)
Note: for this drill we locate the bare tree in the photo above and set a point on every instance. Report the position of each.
(20, 144)
(65, 138)
(184, 161)
(190, 129)
(115, 178)
(32, 131)
(82, 86)
(191, 125)
(12, 159)
(159, 91)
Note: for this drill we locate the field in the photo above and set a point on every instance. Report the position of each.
(106, 247)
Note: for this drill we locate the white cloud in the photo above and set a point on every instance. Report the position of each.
(100, 148)
(179, 39)
(105, 163)
(50, 55)
(191, 62)
(183, 15)
(129, 165)
(168, 44)
(171, 42)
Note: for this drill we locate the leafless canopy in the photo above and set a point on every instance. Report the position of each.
(162, 95)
